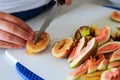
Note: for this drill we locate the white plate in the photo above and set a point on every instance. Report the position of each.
(44, 64)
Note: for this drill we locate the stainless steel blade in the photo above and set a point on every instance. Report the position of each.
(48, 20)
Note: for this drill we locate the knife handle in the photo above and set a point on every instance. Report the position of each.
(61, 2)
(26, 73)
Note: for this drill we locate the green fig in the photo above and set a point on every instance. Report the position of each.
(85, 30)
(94, 31)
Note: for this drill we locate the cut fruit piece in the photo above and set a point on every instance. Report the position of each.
(104, 35)
(94, 31)
(115, 56)
(42, 44)
(92, 76)
(62, 48)
(85, 30)
(115, 16)
(93, 63)
(109, 47)
(103, 64)
(89, 50)
(77, 72)
(113, 64)
(112, 74)
(82, 42)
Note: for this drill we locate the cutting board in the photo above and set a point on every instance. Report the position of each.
(44, 64)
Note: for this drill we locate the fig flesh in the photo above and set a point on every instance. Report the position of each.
(104, 35)
(115, 16)
(82, 42)
(41, 45)
(109, 47)
(89, 50)
(115, 56)
(62, 48)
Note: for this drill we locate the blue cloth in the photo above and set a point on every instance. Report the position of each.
(29, 14)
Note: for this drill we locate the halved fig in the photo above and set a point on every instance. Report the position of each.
(40, 45)
(115, 56)
(109, 47)
(77, 72)
(104, 35)
(89, 50)
(115, 16)
(112, 74)
(62, 48)
(82, 42)
(115, 64)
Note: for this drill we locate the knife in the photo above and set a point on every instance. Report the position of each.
(48, 20)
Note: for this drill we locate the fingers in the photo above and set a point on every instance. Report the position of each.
(16, 21)
(9, 45)
(7, 37)
(68, 2)
(13, 31)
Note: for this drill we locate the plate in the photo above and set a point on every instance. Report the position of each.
(44, 64)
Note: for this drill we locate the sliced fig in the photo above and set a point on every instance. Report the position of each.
(112, 74)
(40, 45)
(62, 48)
(85, 30)
(94, 31)
(115, 16)
(109, 47)
(113, 64)
(103, 64)
(77, 72)
(92, 76)
(77, 35)
(89, 50)
(82, 42)
(115, 56)
(104, 35)
(93, 64)
(116, 36)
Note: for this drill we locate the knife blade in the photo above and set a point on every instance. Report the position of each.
(48, 20)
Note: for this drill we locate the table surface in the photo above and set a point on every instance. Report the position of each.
(7, 67)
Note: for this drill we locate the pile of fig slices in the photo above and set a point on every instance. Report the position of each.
(93, 53)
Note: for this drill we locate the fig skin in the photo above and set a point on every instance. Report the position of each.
(115, 16)
(41, 45)
(62, 48)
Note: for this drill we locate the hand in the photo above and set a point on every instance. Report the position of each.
(13, 31)
(67, 2)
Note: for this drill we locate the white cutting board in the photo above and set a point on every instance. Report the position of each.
(44, 64)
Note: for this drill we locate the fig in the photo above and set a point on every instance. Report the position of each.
(104, 35)
(85, 30)
(103, 64)
(113, 64)
(93, 63)
(115, 16)
(116, 36)
(77, 72)
(115, 56)
(89, 50)
(92, 76)
(77, 34)
(82, 42)
(94, 31)
(62, 48)
(112, 74)
(109, 47)
(41, 45)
